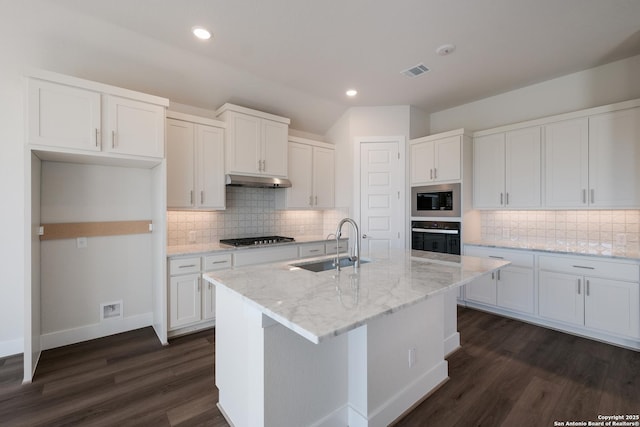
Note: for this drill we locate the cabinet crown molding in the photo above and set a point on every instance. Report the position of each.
(244, 110)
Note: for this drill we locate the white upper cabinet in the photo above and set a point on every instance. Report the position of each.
(614, 159)
(256, 142)
(312, 176)
(74, 115)
(134, 127)
(435, 159)
(63, 116)
(507, 169)
(195, 163)
(567, 163)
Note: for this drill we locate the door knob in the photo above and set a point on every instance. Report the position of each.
(364, 236)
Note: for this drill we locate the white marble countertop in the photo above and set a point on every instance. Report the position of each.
(199, 249)
(561, 248)
(320, 305)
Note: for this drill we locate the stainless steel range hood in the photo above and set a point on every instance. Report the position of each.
(257, 181)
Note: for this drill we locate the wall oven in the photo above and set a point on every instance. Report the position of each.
(436, 236)
(436, 200)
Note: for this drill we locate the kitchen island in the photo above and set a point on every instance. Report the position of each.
(356, 348)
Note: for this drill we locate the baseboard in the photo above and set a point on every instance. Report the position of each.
(11, 347)
(191, 329)
(451, 343)
(224, 415)
(98, 330)
(402, 401)
(338, 417)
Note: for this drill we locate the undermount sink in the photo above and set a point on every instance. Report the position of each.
(327, 264)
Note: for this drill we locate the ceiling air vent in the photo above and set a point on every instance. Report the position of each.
(415, 71)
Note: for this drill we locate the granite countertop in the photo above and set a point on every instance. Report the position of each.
(199, 249)
(561, 248)
(320, 305)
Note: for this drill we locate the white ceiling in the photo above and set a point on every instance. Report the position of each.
(297, 57)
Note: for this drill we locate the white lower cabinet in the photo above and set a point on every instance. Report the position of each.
(598, 295)
(511, 287)
(191, 299)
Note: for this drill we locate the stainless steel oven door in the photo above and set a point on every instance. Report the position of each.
(436, 201)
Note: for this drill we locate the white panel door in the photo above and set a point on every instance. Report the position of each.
(275, 136)
(381, 206)
(515, 289)
(561, 297)
(323, 178)
(612, 306)
(210, 167)
(135, 127)
(567, 163)
(300, 194)
(488, 171)
(522, 168)
(185, 300)
(447, 159)
(482, 289)
(614, 159)
(63, 116)
(180, 166)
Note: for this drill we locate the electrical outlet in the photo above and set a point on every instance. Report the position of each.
(192, 237)
(81, 242)
(412, 357)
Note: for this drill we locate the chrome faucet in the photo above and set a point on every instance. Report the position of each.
(356, 252)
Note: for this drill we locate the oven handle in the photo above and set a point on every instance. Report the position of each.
(435, 231)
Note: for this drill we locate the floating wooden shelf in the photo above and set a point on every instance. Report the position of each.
(72, 230)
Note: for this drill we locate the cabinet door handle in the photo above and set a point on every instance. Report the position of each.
(187, 266)
(579, 283)
(314, 250)
(259, 165)
(496, 257)
(113, 139)
(430, 173)
(209, 285)
(587, 287)
(493, 275)
(310, 200)
(507, 199)
(201, 197)
(498, 274)
(264, 166)
(593, 195)
(220, 262)
(501, 199)
(191, 197)
(316, 200)
(584, 266)
(97, 132)
(435, 173)
(584, 195)
(199, 283)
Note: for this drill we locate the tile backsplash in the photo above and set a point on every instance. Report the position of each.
(616, 229)
(250, 212)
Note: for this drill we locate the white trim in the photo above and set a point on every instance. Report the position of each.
(244, 110)
(451, 343)
(95, 86)
(456, 132)
(339, 417)
(195, 119)
(313, 142)
(97, 330)
(561, 117)
(11, 347)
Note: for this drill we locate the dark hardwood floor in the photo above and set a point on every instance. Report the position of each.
(507, 373)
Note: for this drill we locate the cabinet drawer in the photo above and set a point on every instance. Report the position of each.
(315, 249)
(591, 267)
(330, 248)
(517, 258)
(261, 256)
(216, 262)
(184, 266)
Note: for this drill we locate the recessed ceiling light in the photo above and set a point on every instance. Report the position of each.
(445, 49)
(201, 33)
(352, 92)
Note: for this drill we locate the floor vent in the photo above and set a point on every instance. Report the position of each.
(416, 70)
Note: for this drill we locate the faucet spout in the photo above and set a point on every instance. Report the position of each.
(356, 251)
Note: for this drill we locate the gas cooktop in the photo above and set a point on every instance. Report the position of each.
(255, 241)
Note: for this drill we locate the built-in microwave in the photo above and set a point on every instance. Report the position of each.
(436, 200)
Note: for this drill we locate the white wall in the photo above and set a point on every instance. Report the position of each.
(607, 84)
